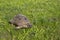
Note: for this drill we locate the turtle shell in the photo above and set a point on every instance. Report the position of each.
(20, 21)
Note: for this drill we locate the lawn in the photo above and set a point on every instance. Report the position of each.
(44, 16)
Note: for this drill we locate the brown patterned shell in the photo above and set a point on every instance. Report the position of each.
(20, 21)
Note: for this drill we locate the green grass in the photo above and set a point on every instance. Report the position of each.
(43, 14)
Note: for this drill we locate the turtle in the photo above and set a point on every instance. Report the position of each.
(20, 21)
